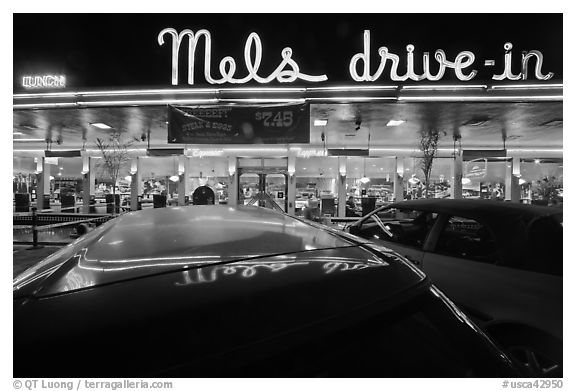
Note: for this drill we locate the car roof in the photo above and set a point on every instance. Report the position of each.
(478, 208)
(163, 240)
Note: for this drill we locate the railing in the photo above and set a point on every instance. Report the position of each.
(45, 221)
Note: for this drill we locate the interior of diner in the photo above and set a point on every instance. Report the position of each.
(502, 151)
(316, 181)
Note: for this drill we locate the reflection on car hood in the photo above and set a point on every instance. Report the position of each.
(145, 243)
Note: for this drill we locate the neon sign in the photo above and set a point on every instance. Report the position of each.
(227, 65)
(462, 61)
(45, 81)
(359, 67)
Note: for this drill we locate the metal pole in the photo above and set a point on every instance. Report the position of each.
(35, 245)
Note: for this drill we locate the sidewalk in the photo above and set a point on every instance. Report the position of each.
(24, 258)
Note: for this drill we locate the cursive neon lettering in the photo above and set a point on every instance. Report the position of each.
(462, 61)
(507, 73)
(287, 72)
(538, 67)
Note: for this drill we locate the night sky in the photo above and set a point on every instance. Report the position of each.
(121, 50)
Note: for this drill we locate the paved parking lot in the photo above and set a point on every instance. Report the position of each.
(24, 256)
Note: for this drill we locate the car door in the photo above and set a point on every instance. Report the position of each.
(402, 230)
(464, 262)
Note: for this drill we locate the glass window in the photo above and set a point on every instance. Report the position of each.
(211, 172)
(542, 181)
(466, 238)
(485, 178)
(316, 184)
(440, 179)
(369, 183)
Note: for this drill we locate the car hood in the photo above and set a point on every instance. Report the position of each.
(192, 314)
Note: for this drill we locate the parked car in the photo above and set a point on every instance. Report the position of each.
(238, 291)
(500, 262)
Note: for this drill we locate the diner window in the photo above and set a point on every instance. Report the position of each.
(467, 238)
(542, 181)
(485, 178)
(440, 182)
(316, 184)
(370, 182)
(211, 172)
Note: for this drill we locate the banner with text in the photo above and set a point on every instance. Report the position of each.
(267, 124)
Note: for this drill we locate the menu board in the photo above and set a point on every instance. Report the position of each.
(263, 124)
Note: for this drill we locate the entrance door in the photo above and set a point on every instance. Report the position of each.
(262, 184)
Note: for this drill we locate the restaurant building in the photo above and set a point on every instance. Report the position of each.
(229, 131)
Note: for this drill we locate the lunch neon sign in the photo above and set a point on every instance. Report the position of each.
(289, 71)
(45, 81)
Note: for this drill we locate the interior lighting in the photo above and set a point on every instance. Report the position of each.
(394, 122)
(28, 139)
(17, 133)
(174, 178)
(320, 122)
(101, 125)
(466, 181)
(364, 178)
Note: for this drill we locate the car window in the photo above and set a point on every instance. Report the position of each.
(408, 227)
(467, 238)
(545, 246)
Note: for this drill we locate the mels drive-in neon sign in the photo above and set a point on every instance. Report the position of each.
(288, 69)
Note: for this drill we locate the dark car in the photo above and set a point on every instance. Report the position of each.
(500, 262)
(206, 291)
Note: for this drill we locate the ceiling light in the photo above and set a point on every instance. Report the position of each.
(466, 181)
(395, 122)
(101, 125)
(174, 178)
(537, 161)
(364, 179)
(17, 133)
(320, 122)
(28, 139)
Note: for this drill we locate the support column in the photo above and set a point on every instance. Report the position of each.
(291, 196)
(512, 190)
(399, 180)
(233, 187)
(135, 184)
(182, 182)
(456, 188)
(88, 183)
(342, 160)
(43, 184)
